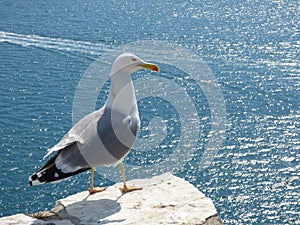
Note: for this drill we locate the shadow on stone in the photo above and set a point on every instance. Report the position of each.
(86, 210)
(91, 210)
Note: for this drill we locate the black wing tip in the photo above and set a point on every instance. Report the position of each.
(51, 175)
(34, 180)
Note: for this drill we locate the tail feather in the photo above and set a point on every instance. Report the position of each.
(50, 173)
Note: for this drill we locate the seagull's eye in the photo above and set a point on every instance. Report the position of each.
(134, 59)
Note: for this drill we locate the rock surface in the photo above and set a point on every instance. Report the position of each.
(165, 199)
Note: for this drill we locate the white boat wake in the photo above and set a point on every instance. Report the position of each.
(58, 44)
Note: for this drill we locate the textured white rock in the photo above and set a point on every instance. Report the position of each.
(19, 219)
(165, 199)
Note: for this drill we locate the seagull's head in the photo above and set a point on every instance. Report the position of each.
(129, 63)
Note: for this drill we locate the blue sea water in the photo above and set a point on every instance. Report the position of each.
(252, 48)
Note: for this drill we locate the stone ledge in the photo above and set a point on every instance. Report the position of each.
(165, 199)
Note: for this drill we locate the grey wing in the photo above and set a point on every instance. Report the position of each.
(119, 135)
(76, 133)
(70, 159)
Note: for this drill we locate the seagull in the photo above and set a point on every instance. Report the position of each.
(103, 137)
(285, 183)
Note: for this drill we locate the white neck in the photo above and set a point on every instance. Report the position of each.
(122, 95)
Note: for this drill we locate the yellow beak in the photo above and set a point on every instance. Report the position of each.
(150, 66)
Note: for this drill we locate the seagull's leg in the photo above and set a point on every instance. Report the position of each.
(126, 189)
(92, 189)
